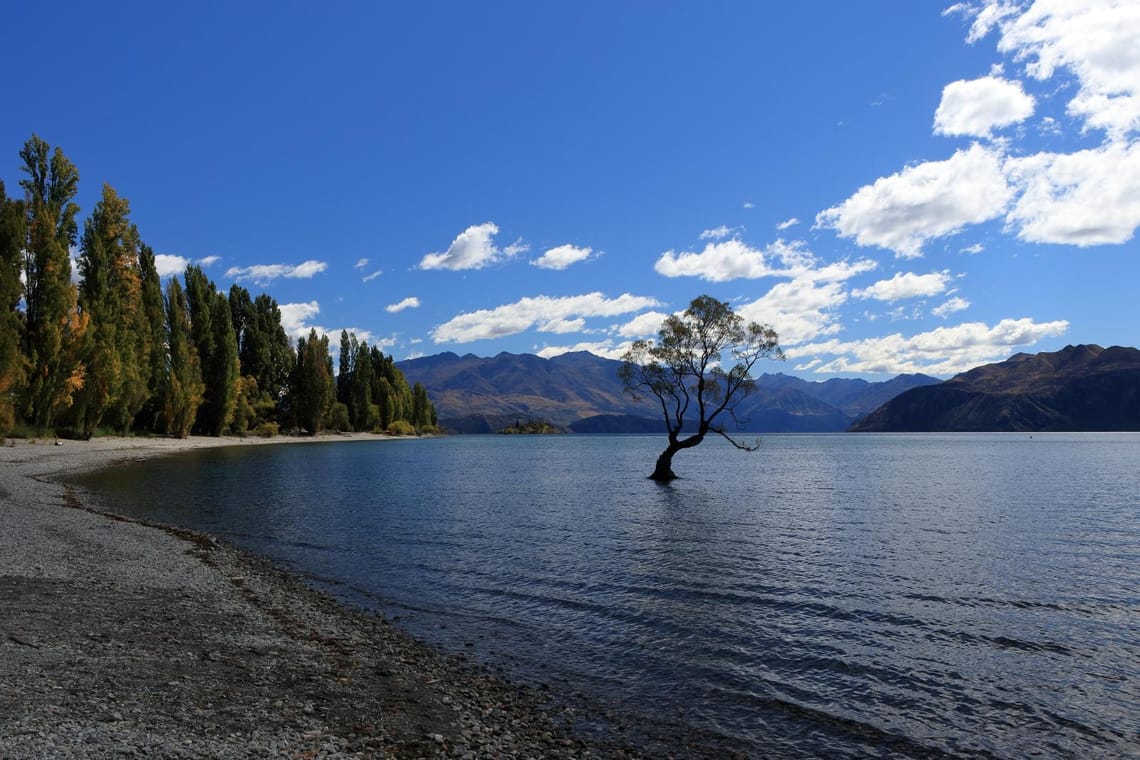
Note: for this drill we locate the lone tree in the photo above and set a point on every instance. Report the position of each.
(685, 370)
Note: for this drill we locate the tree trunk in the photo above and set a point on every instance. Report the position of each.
(663, 472)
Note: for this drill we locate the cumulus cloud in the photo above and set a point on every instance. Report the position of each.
(1090, 197)
(474, 248)
(955, 304)
(263, 274)
(372, 276)
(561, 257)
(408, 303)
(295, 319)
(906, 285)
(942, 351)
(720, 233)
(1094, 39)
(607, 349)
(799, 310)
(168, 264)
(517, 247)
(734, 259)
(973, 249)
(643, 325)
(922, 202)
(978, 106)
(541, 311)
(787, 223)
(360, 264)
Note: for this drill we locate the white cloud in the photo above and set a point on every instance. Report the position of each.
(942, 351)
(408, 303)
(906, 285)
(799, 310)
(295, 321)
(606, 349)
(360, 264)
(372, 276)
(1090, 197)
(733, 259)
(748, 204)
(514, 318)
(720, 233)
(209, 261)
(975, 107)
(517, 247)
(643, 325)
(922, 202)
(474, 248)
(563, 326)
(787, 223)
(1094, 39)
(955, 304)
(561, 257)
(263, 274)
(168, 264)
(295, 317)
(973, 249)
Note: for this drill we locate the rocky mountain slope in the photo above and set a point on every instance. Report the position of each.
(1079, 388)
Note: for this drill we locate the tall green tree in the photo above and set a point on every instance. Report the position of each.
(54, 328)
(313, 387)
(212, 328)
(12, 364)
(183, 388)
(698, 369)
(153, 331)
(110, 294)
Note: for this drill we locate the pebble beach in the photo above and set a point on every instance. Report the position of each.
(122, 639)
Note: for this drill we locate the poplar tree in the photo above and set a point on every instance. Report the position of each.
(312, 387)
(152, 328)
(54, 326)
(212, 328)
(183, 388)
(110, 294)
(12, 236)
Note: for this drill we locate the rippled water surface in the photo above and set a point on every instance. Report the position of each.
(846, 595)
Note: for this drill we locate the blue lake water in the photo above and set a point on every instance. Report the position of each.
(826, 596)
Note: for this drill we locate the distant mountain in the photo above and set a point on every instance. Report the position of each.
(582, 392)
(1079, 388)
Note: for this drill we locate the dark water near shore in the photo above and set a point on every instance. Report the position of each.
(830, 596)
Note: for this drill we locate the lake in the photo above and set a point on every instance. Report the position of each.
(825, 596)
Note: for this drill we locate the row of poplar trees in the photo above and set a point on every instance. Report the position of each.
(114, 350)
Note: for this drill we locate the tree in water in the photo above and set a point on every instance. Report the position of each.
(685, 371)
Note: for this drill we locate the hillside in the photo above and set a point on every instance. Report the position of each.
(1079, 388)
(581, 392)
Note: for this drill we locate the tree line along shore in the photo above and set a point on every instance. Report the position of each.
(113, 350)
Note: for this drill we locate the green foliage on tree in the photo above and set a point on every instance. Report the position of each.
(312, 387)
(687, 370)
(152, 334)
(12, 363)
(213, 331)
(117, 344)
(54, 328)
(184, 389)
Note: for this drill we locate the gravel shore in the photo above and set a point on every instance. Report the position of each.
(119, 639)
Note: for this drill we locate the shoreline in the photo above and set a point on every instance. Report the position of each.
(125, 638)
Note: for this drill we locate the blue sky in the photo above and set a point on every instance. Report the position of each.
(894, 186)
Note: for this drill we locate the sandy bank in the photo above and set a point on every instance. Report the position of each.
(121, 640)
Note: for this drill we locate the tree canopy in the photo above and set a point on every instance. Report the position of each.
(698, 370)
(122, 348)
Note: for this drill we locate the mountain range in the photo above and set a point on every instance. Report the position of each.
(1079, 388)
(581, 392)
